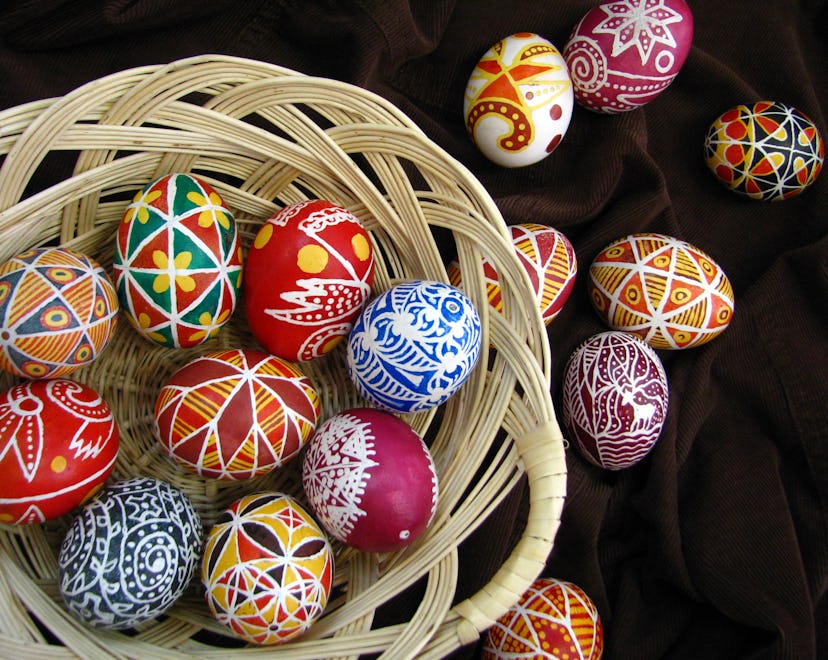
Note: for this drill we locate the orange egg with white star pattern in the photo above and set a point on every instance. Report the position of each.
(308, 275)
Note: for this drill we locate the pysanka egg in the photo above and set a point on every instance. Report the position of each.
(267, 568)
(58, 444)
(553, 619)
(178, 261)
(548, 258)
(58, 310)
(615, 399)
(370, 480)
(765, 150)
(518, 100)
(414, 345)
(665, 290)
(130, 553)
(624, 53)
(308, 275)
(235, 414)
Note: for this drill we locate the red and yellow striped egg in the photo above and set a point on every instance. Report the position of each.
(553, 619)
(236, 414)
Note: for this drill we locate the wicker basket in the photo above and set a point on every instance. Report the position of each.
(264, 137)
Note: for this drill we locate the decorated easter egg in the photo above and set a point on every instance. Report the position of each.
(665, 290)
(548, 258)
(624, 53)
(615, 399)
(370, 480)
(518, 100)
(267, 568)
(58, 444)
(58, 310)
(309, 273)
(130, 553)
(235, 414)
(553, 619)
(766, 150)
(178, 261)
(414, 345)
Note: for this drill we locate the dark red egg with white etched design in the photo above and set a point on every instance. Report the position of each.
(370, 480)
(615, 398)
(307, 276)
(58, 444)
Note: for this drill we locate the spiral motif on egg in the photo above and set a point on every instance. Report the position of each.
(521, 128)
(587, 64)
(414, 346)
(130, 553)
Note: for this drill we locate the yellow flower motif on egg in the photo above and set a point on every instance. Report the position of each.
(215, 211)
(140, 206)
(180, 262)
(211, 325)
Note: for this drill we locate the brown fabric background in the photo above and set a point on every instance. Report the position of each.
(716, 546)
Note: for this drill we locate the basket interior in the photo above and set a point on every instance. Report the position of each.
(265, 137)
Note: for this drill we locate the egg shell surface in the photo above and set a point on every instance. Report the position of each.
(665, 290)
(615, 399)
(235, 414)
(58, 310)
(267, 568)
(553, 619)
(178, 261)
(58, 444)
(624, 53)
(414, 345)
(518, 100)
(765, 150)
(370, 480)
(130, 553)
(308, 275)
(548, 258)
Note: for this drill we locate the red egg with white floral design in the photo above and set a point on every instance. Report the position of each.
(236, 414)
(548, 258)
(624, 53)
(308, 275)
(553, 619)
(58, 444)
(370, 480)
(615, 398)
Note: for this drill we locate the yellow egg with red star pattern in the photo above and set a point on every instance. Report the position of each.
(58, 310)
(267, 568)
(553, 619)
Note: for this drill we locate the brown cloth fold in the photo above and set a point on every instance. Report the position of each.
(716, 545)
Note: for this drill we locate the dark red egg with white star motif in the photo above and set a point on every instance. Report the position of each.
(624, 53)
(370, 480)
(308, 275)
(58, 444)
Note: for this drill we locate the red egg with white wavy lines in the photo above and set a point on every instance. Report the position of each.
(615, 398)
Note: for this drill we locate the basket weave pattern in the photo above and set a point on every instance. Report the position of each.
(264, 137)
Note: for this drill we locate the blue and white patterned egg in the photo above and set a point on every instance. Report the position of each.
(414, 345)
(129, 554)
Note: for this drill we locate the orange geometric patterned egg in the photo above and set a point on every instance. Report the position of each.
(553, 619)
(548, 258)
(58, 310)
(235, 414)
(267, 568)
(666, 291)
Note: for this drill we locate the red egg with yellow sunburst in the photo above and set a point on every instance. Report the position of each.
(308, 275)
(553, 619)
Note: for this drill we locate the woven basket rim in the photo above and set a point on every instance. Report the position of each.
(344, 141)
